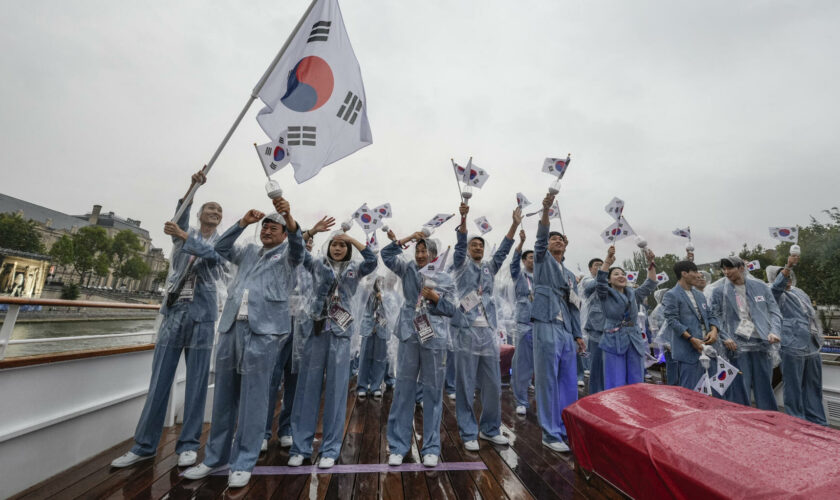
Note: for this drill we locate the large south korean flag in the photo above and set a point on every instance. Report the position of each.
(315, 94)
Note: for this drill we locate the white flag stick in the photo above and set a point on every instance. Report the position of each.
(457, 183)
(206, 170)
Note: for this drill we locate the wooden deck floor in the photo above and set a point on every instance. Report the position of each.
(523, 470)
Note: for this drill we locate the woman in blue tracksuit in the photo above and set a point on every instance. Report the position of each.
(327, 350)
(801, 343)
(623, 345)
(429, 301)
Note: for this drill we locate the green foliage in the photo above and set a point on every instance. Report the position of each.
(135, 267)
(70, 291)
(124, 248)
(19, 234)
(87, 251)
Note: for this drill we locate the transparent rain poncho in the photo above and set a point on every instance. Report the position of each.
(729, 308)
(300, 305)
(475, 324)
(196, 283)
(802, 332)
(507, 305)
(240, 348)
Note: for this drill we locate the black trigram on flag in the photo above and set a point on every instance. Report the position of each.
(320, 32)
(349, 111)
(301, 136)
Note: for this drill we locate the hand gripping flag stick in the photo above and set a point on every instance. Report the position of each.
(206, 170)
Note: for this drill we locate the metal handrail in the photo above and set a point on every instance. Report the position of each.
(79, 337)
(14, 308)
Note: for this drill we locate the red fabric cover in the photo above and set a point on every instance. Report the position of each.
(505, 358)
(655, 441)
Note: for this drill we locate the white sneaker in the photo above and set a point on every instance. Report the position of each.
(586, 372)
(520, 410)
(295, 461)
(497, 439)
(362, 394)
(129, 459)
(452, 396)
(377, 393)
(187, 458)
(395, 459)
(326, 463)
(559, 446)
(471, 445)
(264, 446)
(580, 383)
(430, 460)
(238, 479)
(286, 441)
(200, 471)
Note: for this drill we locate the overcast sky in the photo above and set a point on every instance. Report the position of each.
(719, 115)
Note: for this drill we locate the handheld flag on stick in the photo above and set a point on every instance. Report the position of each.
(315, 94)
(615, 207)
(383, 211)
(617, 231)
(753, 265)
(372, 242)
(662, 278)
(704, 385)
(789, 234)
(435, 266)
(632, 276)
(483, 225)
(684, 233)
(438, 220)
(725, 375)
(366, 219)
(556, 166)
(274, 155)
(522, 201)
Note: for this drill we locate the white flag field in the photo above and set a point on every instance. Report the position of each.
(435, 266)
(315, 94)
(274, 155)
(617, 231)
(483, 226)
(472, 174)
(790, 234)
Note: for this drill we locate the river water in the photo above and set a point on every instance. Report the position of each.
(143, 328)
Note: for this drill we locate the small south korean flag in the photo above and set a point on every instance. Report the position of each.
(383, 211)
(438, 220)
(617, 231)
(556, 166)
(632, 276)
(789, 234)
(684, 233)
(483, 225)
(753, 265)
(372, 242)
(274, 155)
(522, 201)
(471, 174)
(615, 207)
(366, 219)
(704, 385)
(662, 278)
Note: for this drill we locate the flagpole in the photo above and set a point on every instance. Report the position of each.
(191, 193)
(455, 171)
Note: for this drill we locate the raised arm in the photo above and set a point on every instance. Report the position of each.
(504, 249)
(224, 246)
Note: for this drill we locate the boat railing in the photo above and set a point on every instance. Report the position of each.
(15, 304)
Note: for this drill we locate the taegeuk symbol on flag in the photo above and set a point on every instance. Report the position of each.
(483, 225)
(556, 166)
(315, 94)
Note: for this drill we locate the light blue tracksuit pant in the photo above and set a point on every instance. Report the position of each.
(323, 354)
(523, 365)
(164, 364)
(372, 363)
(473, 371)
(803, 387)
(244, 364)
(282, 374)
(555, 376)
(428, 364)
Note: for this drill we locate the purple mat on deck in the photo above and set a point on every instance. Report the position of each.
(356, 469)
